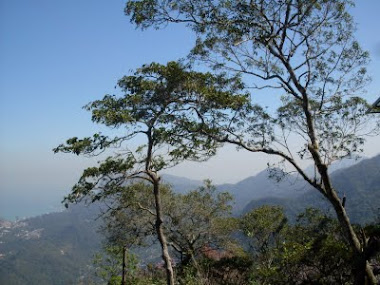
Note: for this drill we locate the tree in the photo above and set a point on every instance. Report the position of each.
(303, 50)
(198, 221)
(310, 251)
(316, 248)
(153, 103)
(262, 226)
(111, 262)
(194, 222)
(130, 222)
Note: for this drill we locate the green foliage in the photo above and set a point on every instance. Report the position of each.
(86, 145)
(200, 219)
(156, 99)
(159, 104)
(193, 221)
(312, 250)
(109, 266)
(131, 220)
(262, 226)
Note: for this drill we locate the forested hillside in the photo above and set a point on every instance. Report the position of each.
(55, 248)
(61, 246)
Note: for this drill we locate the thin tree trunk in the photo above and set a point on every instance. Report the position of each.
(155, 180)
(361, 268)
(196, 266)
(161, 234)
(123, 277)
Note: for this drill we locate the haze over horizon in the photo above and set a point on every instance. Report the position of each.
(59, 55)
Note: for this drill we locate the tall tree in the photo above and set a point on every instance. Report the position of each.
(154, 100)
(304, 51)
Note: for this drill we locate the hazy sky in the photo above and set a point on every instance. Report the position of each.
(56, 56)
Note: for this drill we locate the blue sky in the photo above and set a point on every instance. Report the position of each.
(55, 56)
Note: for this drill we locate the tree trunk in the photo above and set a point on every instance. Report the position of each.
(161, 234)
(123, 277)
(362, 270)
(196, 266)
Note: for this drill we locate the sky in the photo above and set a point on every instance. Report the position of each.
(56, 56)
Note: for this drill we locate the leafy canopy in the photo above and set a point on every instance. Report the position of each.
(155, 101)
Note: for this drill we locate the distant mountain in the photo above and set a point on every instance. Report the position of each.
(338, 165)
(262, 186)
(345, 163)
(360, 183)
(181, 184)
(254, 187)
(37, 202)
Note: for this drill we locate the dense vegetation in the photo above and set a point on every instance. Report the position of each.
(310, 251)
(75, 232)
(264, 248)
